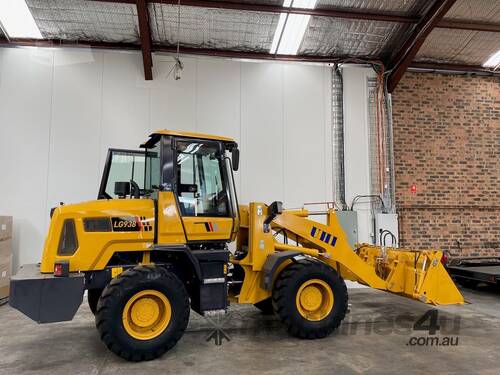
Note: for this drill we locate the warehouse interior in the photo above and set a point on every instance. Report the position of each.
(384, 113)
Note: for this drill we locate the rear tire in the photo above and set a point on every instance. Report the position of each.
(93, 296)
(142, 313)
(311, 299)
(265, 306)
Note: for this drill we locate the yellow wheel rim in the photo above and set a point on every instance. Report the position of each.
(147, 314)
(314, 299)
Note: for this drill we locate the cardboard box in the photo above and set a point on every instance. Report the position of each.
(5, 267)
(5, 227)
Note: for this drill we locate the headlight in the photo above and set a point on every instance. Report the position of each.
(68, 243)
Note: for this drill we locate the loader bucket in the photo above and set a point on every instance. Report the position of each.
(439, 288)
(416, 274)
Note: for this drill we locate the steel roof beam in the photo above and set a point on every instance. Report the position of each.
(145, 38)
(461, 68)
(321, 12)
(405, 55)
(233, 54)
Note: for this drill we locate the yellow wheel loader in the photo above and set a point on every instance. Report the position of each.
(154, 245)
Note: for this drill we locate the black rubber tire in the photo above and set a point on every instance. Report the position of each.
(265, 306)
(114, 298)
(284, 297)
(93, 296)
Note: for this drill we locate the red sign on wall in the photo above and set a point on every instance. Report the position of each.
(413, 189)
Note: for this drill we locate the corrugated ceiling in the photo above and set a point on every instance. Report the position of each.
(260, 2)
(464, 46)
(345, 37)
(80, 20)
(459, 46)
(478, 10)
(85, 20)
(406, 7)
(213, 28)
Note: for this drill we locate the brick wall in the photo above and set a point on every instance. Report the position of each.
(447, 142)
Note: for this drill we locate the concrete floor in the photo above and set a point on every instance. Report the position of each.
(374, 339)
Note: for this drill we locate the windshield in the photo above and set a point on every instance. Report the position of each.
(201, 186)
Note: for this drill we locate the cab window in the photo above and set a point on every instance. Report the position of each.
(200, 185)
(123, 165)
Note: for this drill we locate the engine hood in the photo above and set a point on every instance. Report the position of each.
(101, 227)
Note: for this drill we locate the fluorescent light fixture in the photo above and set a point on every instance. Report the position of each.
(493, 61)
(17, 20)
(291, 28)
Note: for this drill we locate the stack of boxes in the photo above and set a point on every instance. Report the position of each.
(5, 255)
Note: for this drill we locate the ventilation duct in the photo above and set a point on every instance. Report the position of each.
(338, 138)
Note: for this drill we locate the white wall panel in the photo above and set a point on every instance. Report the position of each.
(304, 131)
(61, 110)
(262, 132)
(173, 103)
(125, 121)
(25, 106)
(356, 144)
(75, 128)
(218, 97)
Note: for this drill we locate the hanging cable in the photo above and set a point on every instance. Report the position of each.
(178, 63)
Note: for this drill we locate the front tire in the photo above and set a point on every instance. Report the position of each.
(93, 296)
(265, 306)
(142, 313)
(311, 299)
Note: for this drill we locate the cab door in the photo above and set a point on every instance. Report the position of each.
(203, 191)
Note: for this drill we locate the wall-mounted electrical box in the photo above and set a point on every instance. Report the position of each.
(387, 222)
(349, 222)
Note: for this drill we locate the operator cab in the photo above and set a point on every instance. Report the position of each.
(194, 167)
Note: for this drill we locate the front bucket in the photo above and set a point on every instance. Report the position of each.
(438, 287)
(415, 274)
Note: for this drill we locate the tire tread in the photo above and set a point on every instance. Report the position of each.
(284, 305)
(126, 281)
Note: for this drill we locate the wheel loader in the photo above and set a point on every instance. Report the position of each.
(154, 246)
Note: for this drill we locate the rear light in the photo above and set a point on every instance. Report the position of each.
(61, 269)
(444, 258)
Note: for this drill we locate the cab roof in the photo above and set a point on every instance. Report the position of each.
(176, 133)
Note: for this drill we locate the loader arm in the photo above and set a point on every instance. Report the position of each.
(415, 274)
(332, 246)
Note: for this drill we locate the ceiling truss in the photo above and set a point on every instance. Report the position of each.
(398, 64)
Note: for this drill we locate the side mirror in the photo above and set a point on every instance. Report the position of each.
(235, 153)
(122, 188)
